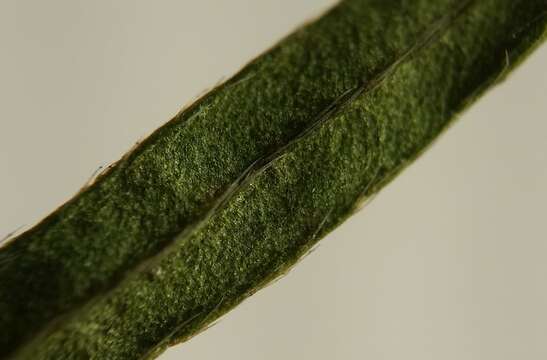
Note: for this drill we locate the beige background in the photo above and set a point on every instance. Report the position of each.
(448, 262)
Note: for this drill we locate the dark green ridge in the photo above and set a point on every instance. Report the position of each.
(235, 189)
(173, 179)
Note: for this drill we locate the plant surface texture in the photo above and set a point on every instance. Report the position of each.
(233, 190)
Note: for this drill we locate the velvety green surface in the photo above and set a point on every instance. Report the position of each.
(233, 190)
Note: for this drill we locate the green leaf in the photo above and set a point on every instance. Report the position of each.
(232, 191)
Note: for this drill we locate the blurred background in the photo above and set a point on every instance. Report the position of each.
(448, 262)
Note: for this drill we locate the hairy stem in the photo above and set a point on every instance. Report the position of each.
(233, 190)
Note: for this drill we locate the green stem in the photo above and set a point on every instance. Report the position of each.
(232, 191)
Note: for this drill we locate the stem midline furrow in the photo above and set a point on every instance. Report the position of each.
(213, 205)
(260, 165)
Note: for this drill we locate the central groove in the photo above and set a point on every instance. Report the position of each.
(432, 32)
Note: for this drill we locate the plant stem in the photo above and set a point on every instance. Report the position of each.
(233, 190)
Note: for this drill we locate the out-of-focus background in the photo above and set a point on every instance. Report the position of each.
(448, 262)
